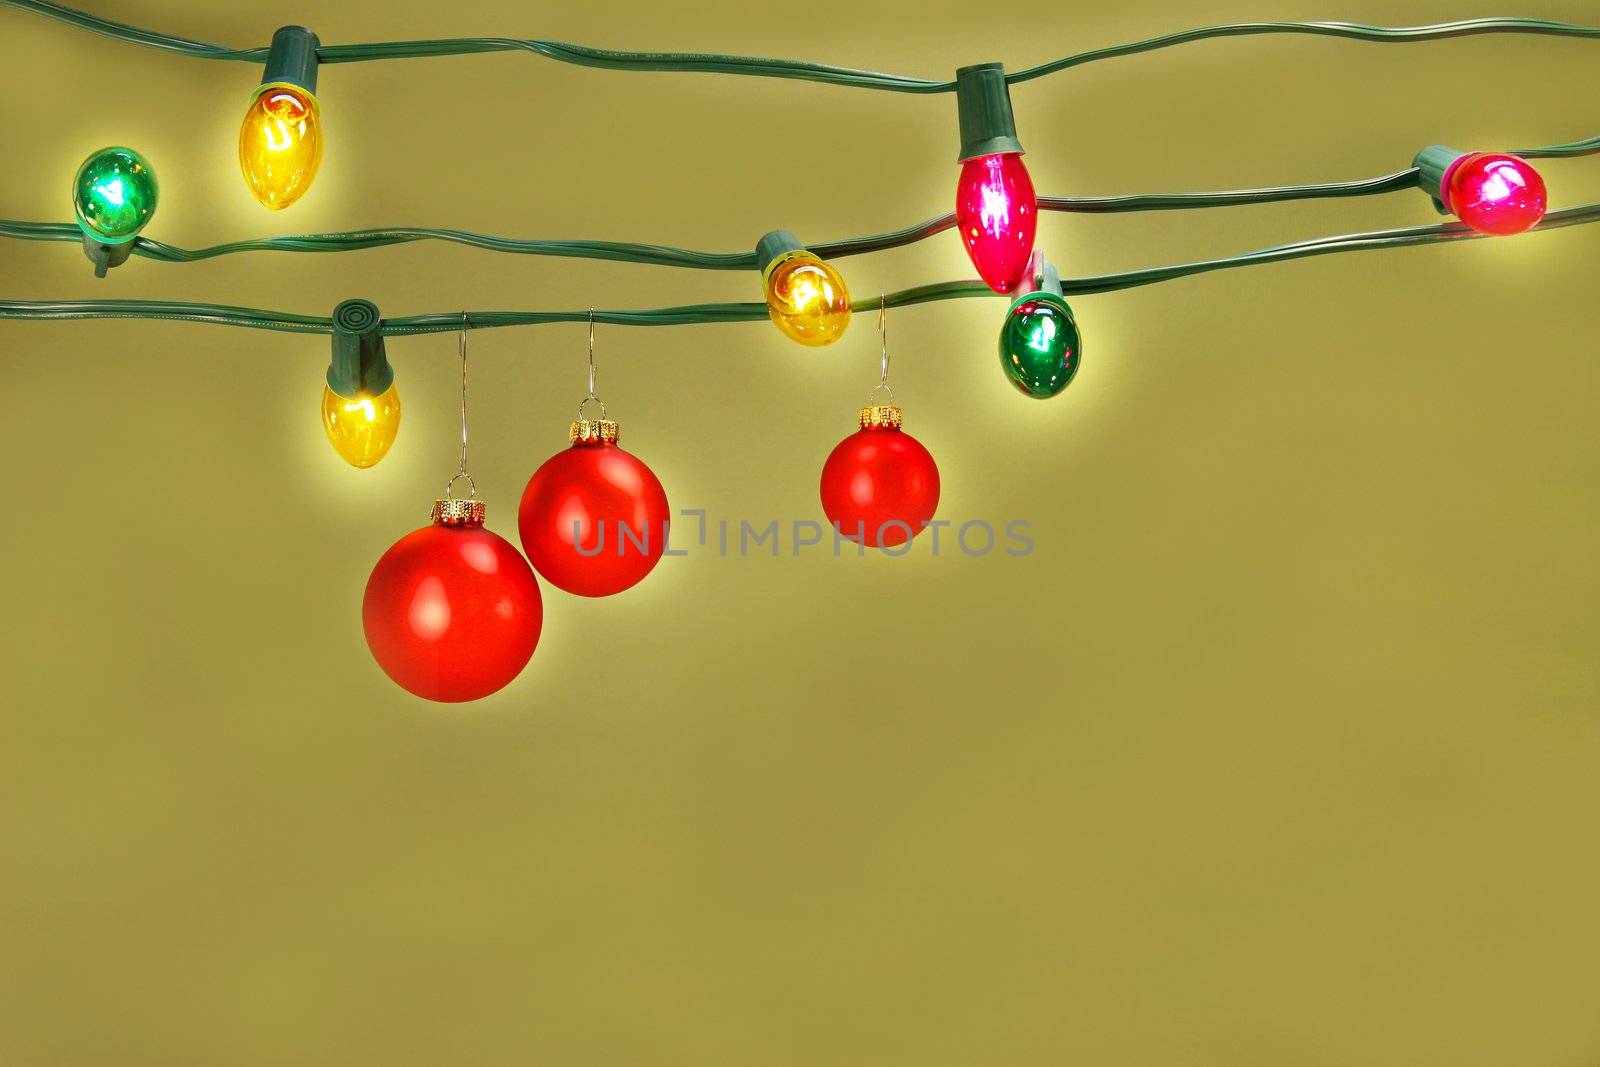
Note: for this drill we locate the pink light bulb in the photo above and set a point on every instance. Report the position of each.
(1495, 194)
(998, 214)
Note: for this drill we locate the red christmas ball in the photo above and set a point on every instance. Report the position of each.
(880, 486)
(593, 518)
(452, 611)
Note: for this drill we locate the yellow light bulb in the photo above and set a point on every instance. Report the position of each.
(807, 298)
(361, 430)
(280, 144)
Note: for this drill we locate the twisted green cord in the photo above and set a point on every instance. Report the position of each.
(609, 59)
(223, 315)
(1354, 31)
(1577, 148)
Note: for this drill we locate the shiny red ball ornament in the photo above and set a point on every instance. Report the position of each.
(998, 215)
(452, 611)
(880, 487)
(593, 518)
(1494, 194)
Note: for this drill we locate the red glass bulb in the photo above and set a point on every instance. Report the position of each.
(1495, 194)
(452, 613)
(880, 487)
(596, 496)
(998, 214)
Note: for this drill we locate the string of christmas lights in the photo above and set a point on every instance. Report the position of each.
(453, 612)
(666, 256)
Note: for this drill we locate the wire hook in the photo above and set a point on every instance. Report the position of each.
(883, 339)
(462, 338)
(591, 352)
(461, 469)
(883, 351)
(591, 394)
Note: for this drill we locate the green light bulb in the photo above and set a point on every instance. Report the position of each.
(114, 195)
(1039, 344)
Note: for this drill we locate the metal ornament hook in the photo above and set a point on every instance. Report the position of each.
(472, 486)
(883, 339)
(883, 352)
(591, 352)
(590, 396)
(461, 469)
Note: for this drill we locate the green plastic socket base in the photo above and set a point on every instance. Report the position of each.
(1046, 279)
(983, 104)
(1433, 165)
(105, 256)
(360, 366)
(292, 59)
(1046, 285)
(774, 246)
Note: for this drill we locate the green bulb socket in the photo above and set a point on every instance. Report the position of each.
(983, 104)
(1046, 279)
(292, 59)
(1434, 164)
(1040, 346)
(774, 246)
(105, 256)
(360, 366)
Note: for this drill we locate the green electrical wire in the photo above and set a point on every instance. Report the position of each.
(662, 255)
(696, 62)
(172, 310)
(355, 240)
(1388, 183)
(443, 322)
(1353, 31)
(1577, 148)
(133, 35)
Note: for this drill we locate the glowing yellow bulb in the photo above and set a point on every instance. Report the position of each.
(280, 144)
(807, 299)
(361, 430)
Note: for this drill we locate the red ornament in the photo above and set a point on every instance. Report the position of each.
(1494, 194)
(452, 611)
(880, 487)
(998, 214)
(593, 518)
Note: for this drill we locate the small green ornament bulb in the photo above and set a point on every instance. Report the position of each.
(1040, 347)
(114, 195)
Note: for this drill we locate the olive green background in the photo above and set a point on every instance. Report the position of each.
(1282, 747)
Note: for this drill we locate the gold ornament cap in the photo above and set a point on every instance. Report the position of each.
(453, 512)
(879, 416)
(591, 430)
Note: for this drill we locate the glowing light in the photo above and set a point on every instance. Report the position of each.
(280, 145)
(1495, 194)
(1043, 335)
(361, 429)
(114, 195)
(807, 299)
(997, 213)
(1040, 347)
